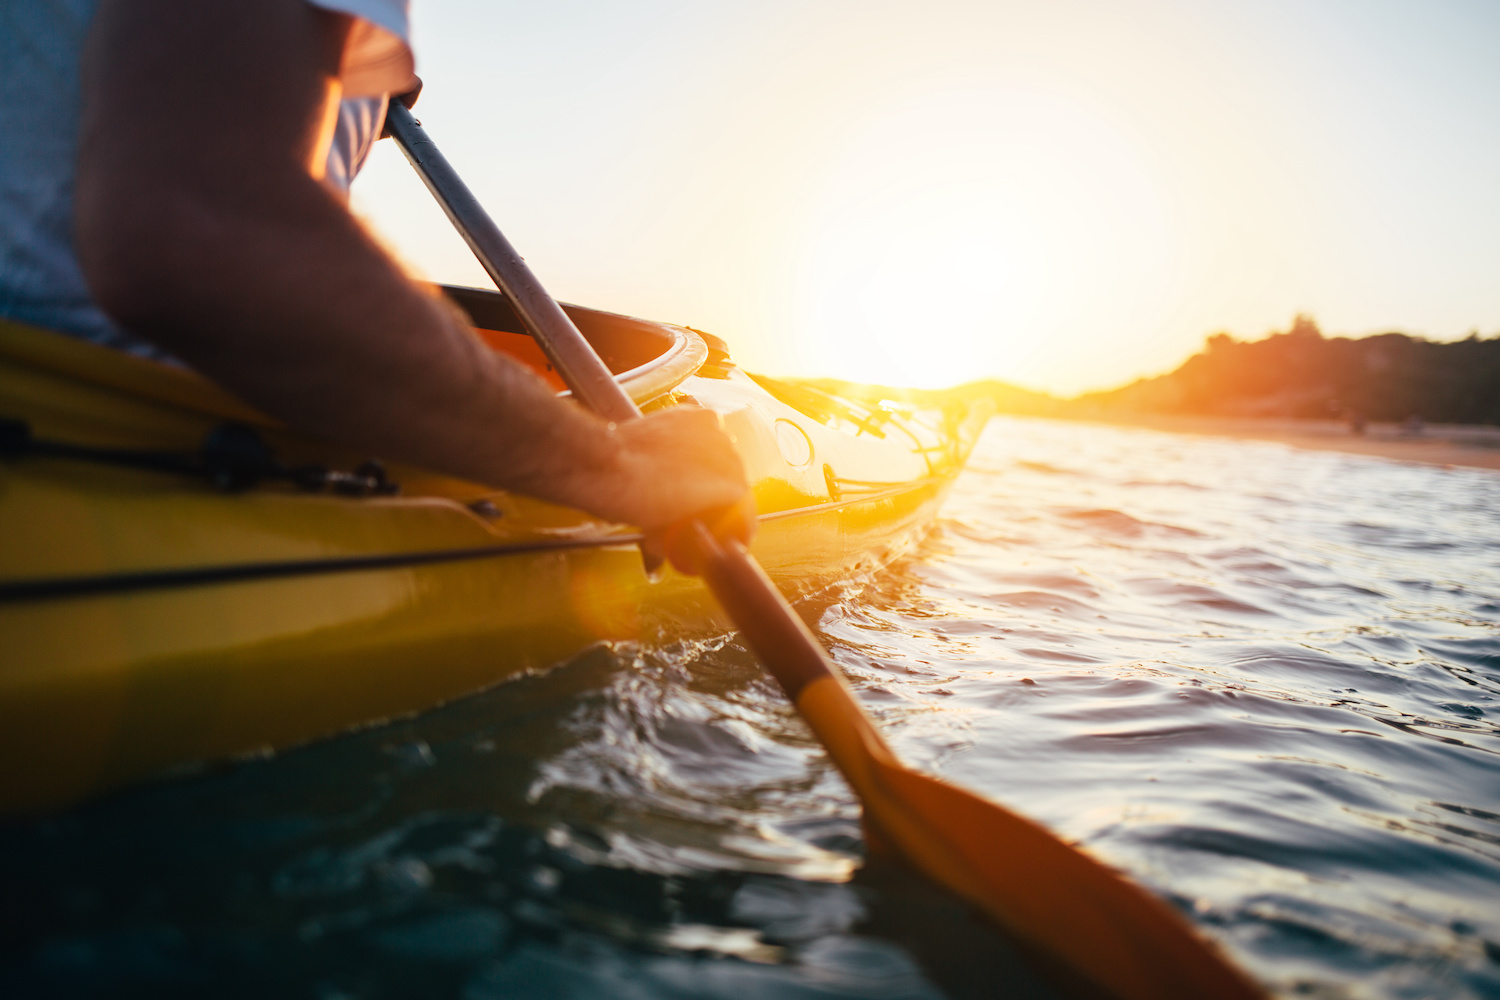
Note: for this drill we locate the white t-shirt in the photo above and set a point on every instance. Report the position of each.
(40, 102)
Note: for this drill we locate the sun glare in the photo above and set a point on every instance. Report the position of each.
(974, 233)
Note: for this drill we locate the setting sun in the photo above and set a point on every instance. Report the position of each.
(970, 230)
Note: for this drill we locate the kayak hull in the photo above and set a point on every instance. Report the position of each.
(139, 682)
(151, 622)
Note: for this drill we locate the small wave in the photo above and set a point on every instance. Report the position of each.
(1041, 600)
(1483, 652)
(1119, 523)
(1183, 594)
(1043, 467)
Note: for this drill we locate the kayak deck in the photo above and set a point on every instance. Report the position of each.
(153, 621)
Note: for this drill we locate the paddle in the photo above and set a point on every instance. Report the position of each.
(1073, 908)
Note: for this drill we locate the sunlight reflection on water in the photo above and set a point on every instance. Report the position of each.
(1265, 682)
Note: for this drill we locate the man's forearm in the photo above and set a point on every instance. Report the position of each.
(287, 303)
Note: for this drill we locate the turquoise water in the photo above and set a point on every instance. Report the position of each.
(1265, 682)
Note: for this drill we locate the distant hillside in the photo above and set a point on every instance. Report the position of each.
(1301, 373)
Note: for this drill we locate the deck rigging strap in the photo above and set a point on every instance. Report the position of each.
(233, 457)
(48, 588)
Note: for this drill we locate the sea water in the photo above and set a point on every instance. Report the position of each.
(1264, 682)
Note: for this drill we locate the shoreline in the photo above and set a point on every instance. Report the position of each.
(1469, 445)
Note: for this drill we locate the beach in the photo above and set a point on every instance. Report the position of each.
(1471, 445)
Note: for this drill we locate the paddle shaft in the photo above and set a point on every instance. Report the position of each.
(572, 356)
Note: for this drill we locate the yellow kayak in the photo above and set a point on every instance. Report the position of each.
(182, 579)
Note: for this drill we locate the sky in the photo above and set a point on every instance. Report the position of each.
(1064, 195)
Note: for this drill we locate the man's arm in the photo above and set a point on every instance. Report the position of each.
(201, 225)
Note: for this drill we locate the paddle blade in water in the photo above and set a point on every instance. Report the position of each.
(1077, 910)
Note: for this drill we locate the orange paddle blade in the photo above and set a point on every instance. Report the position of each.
(1079, 911)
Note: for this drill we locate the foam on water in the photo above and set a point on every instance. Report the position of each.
(1265, 682)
